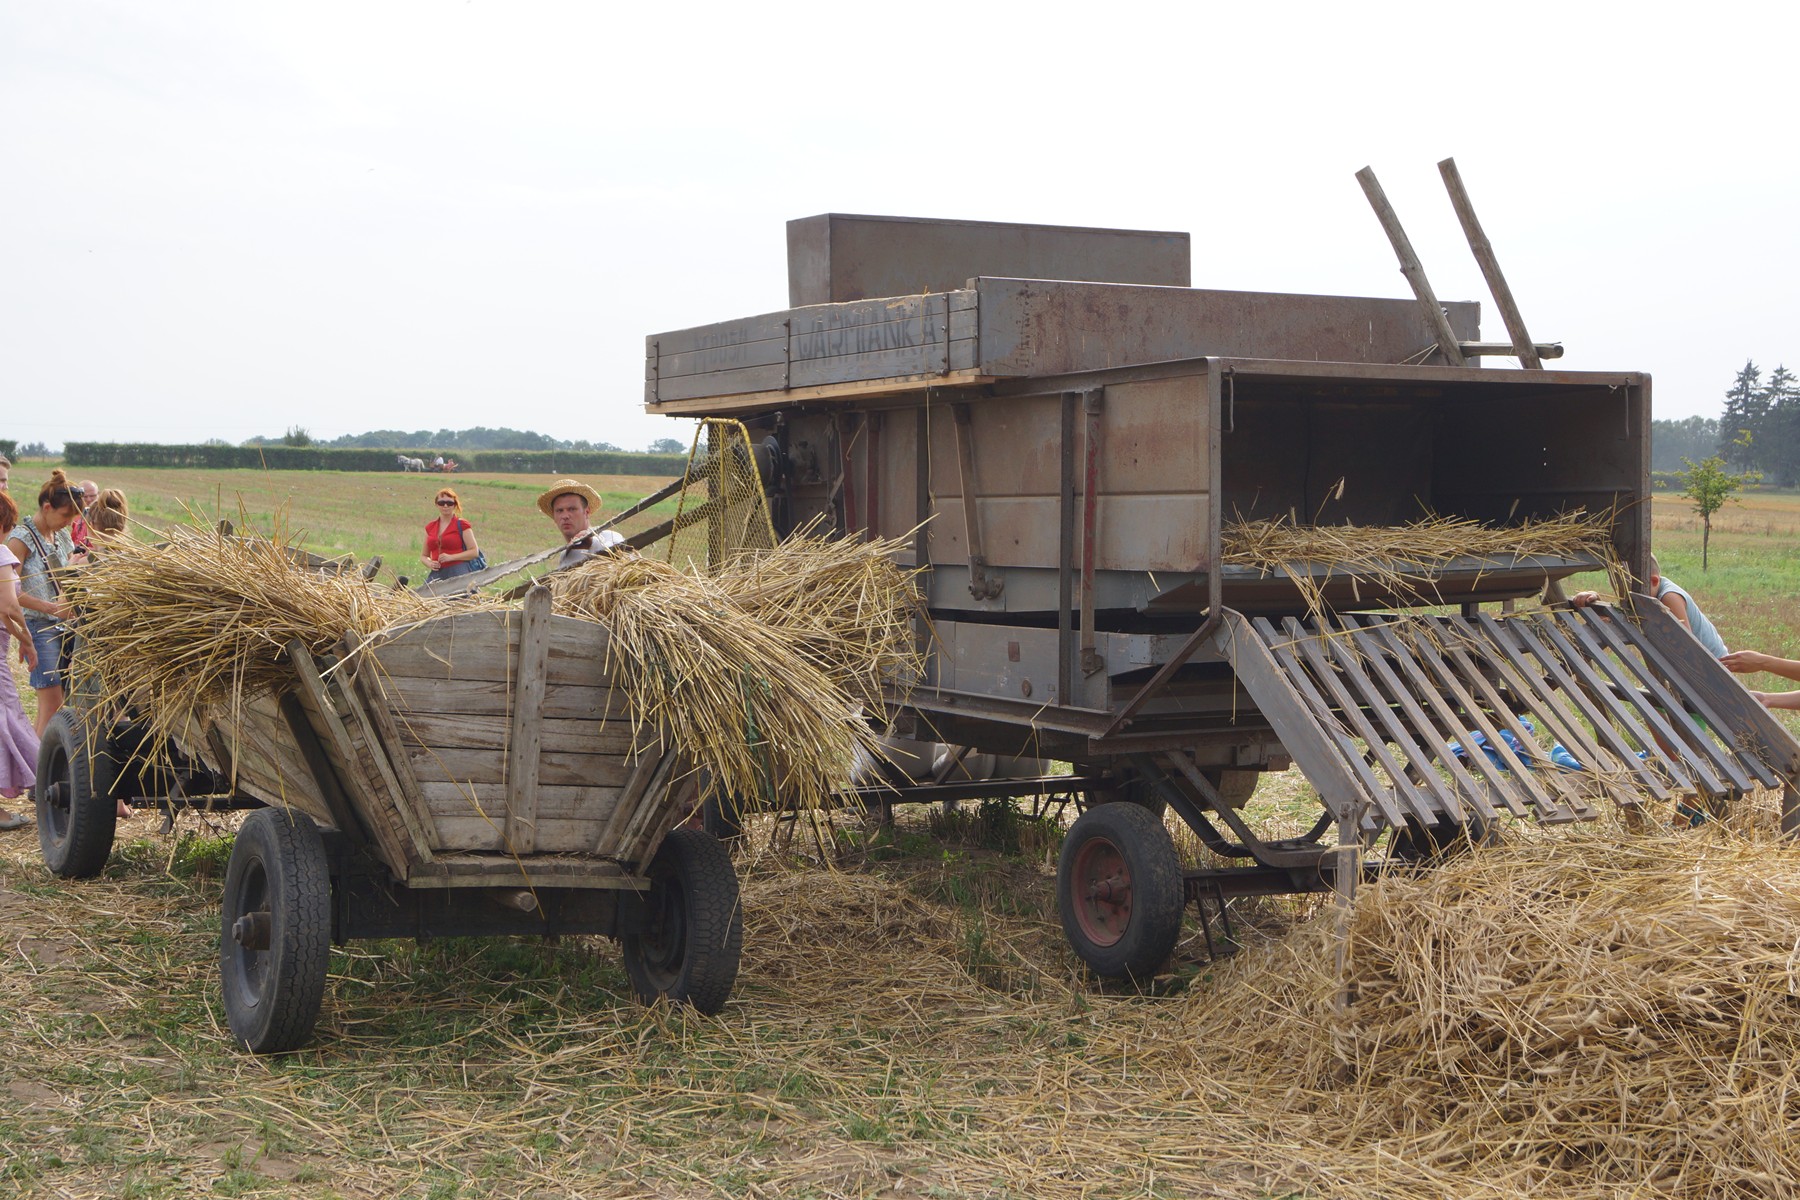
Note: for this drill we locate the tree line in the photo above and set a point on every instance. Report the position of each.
(453, 441)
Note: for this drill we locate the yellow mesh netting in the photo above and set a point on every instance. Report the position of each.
(722, 510)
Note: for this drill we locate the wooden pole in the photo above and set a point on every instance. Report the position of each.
(1490, 266)
(1448, 344)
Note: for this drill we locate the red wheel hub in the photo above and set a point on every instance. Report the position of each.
(1101, 887)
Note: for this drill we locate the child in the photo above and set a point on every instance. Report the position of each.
(18, 740)
(1681, 606)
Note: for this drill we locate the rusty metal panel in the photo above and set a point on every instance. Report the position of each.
(837, 256)
(1043, 327)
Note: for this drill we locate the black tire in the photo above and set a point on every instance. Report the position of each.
(1419, 843)
(275, 940)
(76, 815)
(1120, 891)
(686, 945)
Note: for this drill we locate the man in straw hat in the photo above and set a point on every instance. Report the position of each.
(570, 504)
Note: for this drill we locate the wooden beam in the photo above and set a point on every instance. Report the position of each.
(528, 710)
(1523, 346)
(1448, 345)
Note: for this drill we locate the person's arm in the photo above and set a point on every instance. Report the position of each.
(1677, 607)
(1745, 662)
(13, 617)
(56, 608)
(1778, 699)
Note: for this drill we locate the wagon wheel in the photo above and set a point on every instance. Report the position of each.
(275, 939)
(1120, 889)
(76, 816)
(686, 945)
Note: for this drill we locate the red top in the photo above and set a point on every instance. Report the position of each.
(436, 549)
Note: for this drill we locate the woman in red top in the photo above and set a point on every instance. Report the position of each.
(450, 547)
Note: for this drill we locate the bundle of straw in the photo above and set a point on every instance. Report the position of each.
(1401, 560)
(766, 674)
(841, 603)
(1608, 1015)
(201, 621)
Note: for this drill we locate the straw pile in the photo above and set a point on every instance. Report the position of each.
(1605, 1015)
(1401, 560)
(764, 673)
(201, 622)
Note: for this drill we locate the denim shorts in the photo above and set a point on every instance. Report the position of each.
(451, 571)
(48, 638)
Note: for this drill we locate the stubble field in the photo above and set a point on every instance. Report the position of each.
(908, 1021)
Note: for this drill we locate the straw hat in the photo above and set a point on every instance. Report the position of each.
(563, 487)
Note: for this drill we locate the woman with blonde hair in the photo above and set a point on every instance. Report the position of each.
(18, 740)
(108, 512)
(450, 548)
(43, 547)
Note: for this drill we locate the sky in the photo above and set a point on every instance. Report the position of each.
(220, 220)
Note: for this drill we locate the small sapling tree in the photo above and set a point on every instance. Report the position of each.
(1709, 485)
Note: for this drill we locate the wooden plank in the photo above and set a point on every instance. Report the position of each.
(528, 706)
(650, 816)
(498, 870)
(1444, 681)
(1460, 645)
(1294, 671)
(556, 835)
(372, 708)
(642, 770)
(576, 654)
(361, 788)
(1369, 637)
(592, 735)
(1350, 652)
(1517, 671)
(388, 759)
(1631, 708)
(1350, 705)
(1712, 691)
(773, 398)
(1490, 266)
(759, 328)
(1449, 344)
(464, 764)
(418, 702)
(489, 799)
(1320, 758)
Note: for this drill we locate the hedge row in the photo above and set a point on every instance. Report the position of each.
(325, 458)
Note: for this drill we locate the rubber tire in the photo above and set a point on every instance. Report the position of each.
(687, 943)
(1104, 842)
(272, 996)
(1439, 842)
(75, 834)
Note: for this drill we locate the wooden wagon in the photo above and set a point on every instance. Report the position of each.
(474, 773)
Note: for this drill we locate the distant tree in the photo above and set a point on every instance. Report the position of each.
(1709, 485)
(1672, 441)
(1778, 440)
(296, 436)
(34, 450)
(667, 446)
(1741, 422)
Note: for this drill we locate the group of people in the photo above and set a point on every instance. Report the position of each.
(451, 548)
(35, 548)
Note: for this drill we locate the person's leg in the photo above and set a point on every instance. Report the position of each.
(46, 678)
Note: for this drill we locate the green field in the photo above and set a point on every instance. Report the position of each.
(354, 512)
(908, 1021)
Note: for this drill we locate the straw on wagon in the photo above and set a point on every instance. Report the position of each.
(200, 622)
(766, 673)
(1402, 560)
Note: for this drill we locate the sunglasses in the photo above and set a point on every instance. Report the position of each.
(446, 504)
